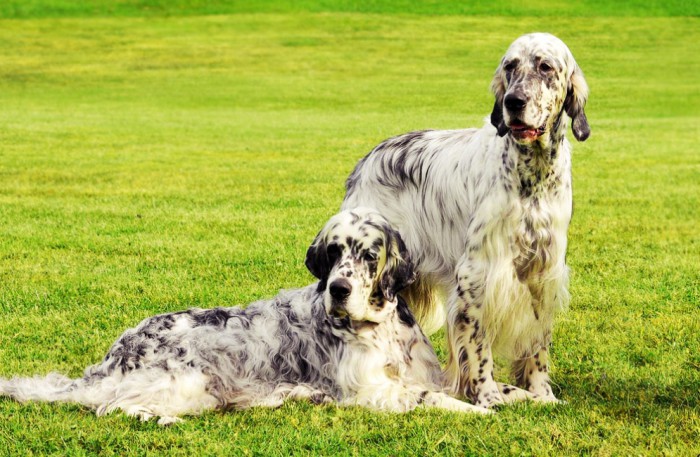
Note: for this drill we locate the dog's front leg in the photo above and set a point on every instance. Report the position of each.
(531, 369)
(470, 365)
(531, 373)
(398, 397)
(443, 401)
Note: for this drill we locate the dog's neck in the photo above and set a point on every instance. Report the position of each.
(363, 328)
(369, 333)
(537, 162)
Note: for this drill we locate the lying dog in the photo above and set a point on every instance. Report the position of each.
(347, 339)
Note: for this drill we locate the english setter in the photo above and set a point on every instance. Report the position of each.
(348, 338)
(485, 213)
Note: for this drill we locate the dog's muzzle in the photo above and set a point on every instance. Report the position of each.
(523, 132)
(515, 102)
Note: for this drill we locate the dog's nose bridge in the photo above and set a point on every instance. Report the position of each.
(520, 94)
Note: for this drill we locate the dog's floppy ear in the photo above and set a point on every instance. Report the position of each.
(499, 91)
(576, 97)
(317, 259)
(399, 271)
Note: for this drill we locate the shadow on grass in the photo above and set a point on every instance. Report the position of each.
(634, 395)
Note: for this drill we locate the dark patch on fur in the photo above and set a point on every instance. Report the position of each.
(216, 317)
(579, 122)
(393, 161)
(404, 312)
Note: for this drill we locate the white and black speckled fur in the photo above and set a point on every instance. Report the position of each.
(485, 213)
(287, 347)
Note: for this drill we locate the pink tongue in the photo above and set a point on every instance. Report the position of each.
(521, 127)
(521, 130)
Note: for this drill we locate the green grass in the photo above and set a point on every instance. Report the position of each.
(547, 8)
(150, 164)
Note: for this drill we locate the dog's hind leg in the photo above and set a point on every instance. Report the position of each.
(155, 393)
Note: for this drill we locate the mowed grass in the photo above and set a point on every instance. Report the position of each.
(153, 164)
(539, 8)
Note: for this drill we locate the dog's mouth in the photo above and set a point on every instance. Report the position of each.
(524, 132)
(344, 321)
(338, 312)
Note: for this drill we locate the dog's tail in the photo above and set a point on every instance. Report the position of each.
(143, 393)
(53, 387)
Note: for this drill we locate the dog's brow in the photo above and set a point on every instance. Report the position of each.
(377, 243)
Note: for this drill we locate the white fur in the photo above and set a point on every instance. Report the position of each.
(287, 347)
(485, 213)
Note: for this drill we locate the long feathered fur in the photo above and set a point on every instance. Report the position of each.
(297, 345)
(485, 213)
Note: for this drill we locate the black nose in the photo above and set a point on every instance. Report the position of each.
(340, 288)
(515, 101)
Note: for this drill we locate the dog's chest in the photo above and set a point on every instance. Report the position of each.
(533, 238)
(391, 342)
(537, 215)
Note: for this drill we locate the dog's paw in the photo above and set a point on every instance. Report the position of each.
(547, 399)
(511, 394)
(443, 401)
(168, 420)
(487, 395)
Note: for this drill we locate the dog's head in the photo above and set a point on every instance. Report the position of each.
(362, 263)
(536, 81)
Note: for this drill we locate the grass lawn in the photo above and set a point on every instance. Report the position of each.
(154, 159)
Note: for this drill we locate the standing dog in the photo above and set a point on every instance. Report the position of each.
(485, 213)
(348, 338)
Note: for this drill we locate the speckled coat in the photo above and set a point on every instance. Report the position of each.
(296, 345)
(485, 213)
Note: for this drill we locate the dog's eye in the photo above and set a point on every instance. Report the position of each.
(333, 251)
(545, 67)
(510, 66)
(371, 257)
